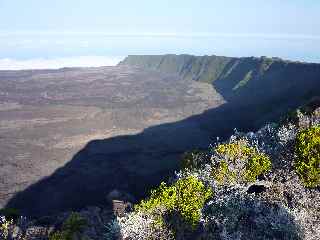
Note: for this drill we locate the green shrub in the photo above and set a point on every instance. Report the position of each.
(222, 174)
(10, 213)
(73, 225)
(191, 196)
(307, 164)
(5, 227)
(238, 162)
(58, 235)
(194, 159)
(186, 197)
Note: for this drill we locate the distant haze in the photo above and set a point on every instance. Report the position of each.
(37, 29)
(55, 63)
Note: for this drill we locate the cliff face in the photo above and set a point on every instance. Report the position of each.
(265, 84)
(214, 68)
(199, 68)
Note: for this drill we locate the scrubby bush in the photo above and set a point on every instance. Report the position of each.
(186, 197)
(113, 230)
(162, 197)
(73, 225)
(307, 164)
(191, 196)
(58, 235)
(238, 162)
(283, 209)
(6, 226)
(138, 225)
(10, 213)
(194, 159)
(240, 216)
(14, 228)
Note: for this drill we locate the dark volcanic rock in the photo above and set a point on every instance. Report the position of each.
(256, 189)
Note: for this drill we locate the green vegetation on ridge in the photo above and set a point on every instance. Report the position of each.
(307, 164)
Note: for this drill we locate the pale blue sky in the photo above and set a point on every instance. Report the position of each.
(70, 28)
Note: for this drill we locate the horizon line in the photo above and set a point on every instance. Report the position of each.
(161, 34)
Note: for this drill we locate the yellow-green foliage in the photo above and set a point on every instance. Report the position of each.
(222, 174)
(162, 198)
(191, 196)
(72, 226)
(307, 164)
(186, 197)
(5, 227)
(240, 163)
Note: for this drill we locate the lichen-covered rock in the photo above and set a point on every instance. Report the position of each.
(274, 203)
(201, 203)
(242, 216)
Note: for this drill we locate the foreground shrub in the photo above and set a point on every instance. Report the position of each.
(186, 198)
(72, 226)
(138, 225)
(10, 213)
(194, 159)
(238, 162)
(307, 164)
(240, 216)
(58, 235)
(277, 208)
(113, 229)
(5, 227)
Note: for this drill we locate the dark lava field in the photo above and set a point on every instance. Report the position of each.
(70, 136)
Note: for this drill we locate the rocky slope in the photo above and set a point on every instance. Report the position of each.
(263, 82)
(51, 121)
(124, 128)
(256, 185)
(276, 204)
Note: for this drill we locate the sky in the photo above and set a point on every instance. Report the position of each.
(54, 33)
